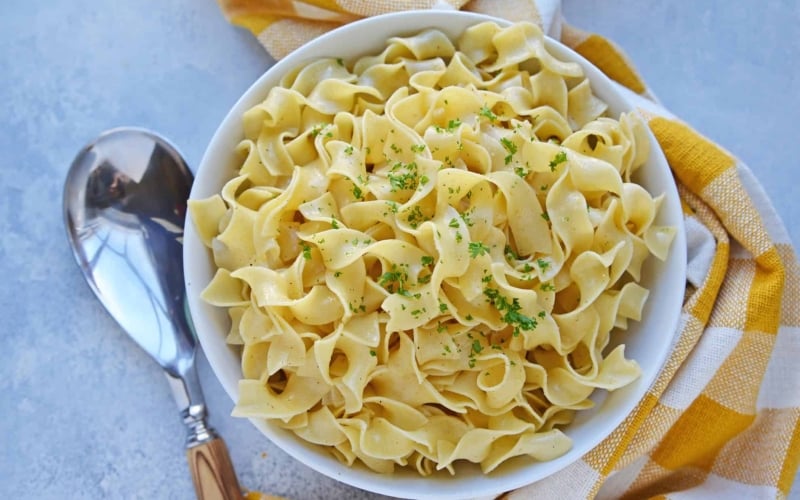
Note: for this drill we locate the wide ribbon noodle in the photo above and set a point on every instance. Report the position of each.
(426, 251)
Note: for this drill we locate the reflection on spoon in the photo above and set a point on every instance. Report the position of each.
(124, 208)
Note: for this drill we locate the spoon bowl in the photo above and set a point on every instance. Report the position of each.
(124, 210)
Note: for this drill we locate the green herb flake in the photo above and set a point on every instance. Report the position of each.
(510, 253)
(395, 276)
(543, 264)
(306, 251)
(477, 248)
(466, 218)
(418, 148)
(476, 346)
(510, 311)
(416, 217)
(426, 260)
(454, 222)
(487, 113)
(316, 129)
(558, 159)
(510, 147)
(403, 176)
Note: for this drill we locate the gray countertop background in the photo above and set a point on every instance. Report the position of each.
(83, 412)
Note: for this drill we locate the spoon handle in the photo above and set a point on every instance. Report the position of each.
(212, 471)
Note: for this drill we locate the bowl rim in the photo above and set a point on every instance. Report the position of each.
(228, 134)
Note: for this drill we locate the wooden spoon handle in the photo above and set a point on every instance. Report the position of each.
(212, 471)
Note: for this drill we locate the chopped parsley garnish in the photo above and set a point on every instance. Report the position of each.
(545, 216)
(416, 217)
(547, 287)
(454, 222)
(453, 124)
(510, 253)
(510, 311)
(521, 171)
(476, 346)
(487, 113)
(306, 251)
(315, 131)
(426, 260)
(558, 159)
(357, 193)
(396, 276)
(510, 147)
(543, 264)
(418, 148)
(466, 219)
(477, 248)
(403, 176)
(348, 150)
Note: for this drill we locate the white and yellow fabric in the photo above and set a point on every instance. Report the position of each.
(722, 417)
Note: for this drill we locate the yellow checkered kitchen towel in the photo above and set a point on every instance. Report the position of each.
(722, 418)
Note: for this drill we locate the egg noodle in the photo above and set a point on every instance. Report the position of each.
(425, 252)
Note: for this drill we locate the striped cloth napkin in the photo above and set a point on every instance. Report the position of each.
(722, 417)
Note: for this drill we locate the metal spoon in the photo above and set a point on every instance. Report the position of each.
(124, 208)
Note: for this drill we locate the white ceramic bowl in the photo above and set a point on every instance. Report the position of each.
(648, 341)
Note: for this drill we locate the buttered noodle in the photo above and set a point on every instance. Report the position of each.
(425, 253)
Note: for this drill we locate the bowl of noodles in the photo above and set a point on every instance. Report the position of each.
(434, 255)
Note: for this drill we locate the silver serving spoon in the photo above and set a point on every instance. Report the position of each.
(124, 208)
